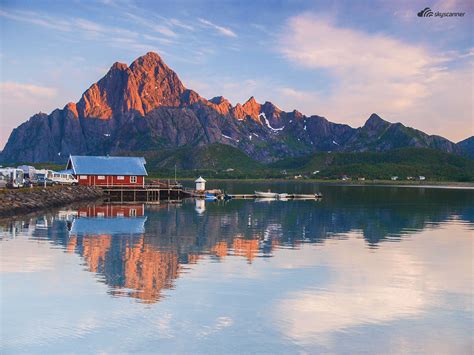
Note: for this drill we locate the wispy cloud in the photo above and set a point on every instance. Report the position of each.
(377, 73)
(225, 31)
(35, 19)
(110, 35)
(70, 25)
(157, 39)
(25, 91)
(152, 25)
(21, 100)
(178, 23)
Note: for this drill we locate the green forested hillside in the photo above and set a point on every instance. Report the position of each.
(223, 161)
(433, 164)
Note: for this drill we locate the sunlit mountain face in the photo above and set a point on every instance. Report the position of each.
(145, 107)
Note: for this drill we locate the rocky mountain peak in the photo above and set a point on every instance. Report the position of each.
(297, 114)
(252, 108)
(158, 85)
(71, 107)
(220, 104)
(270, 109)
(219, 100)
(117, 66)
(238, 112)
(149, 59)
(114, 93)
(375, 122)
(147, 84)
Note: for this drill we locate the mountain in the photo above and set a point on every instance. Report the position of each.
(467, 147)
(145, 107)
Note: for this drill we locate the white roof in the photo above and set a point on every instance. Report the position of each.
(200, 179)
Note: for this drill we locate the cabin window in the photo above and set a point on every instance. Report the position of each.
(133, 179)
(101, 177)
(120, 177)
(83, 177)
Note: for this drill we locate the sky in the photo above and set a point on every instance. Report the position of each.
(342, 60)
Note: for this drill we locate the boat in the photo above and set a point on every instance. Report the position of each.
(268, 194)
(210, 197)
(283, 196)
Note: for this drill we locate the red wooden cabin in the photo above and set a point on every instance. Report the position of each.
(108, 171)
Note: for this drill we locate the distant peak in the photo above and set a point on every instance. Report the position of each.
(375, 121)
(375, 118)
(218, 100)
(297, 114)
(252, 105)
(119, 66)
(71, 106)
(149, 59)
(151, 55)
(251, 100)
(252, 108)
(269, 106)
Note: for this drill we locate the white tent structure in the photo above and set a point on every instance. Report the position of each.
(200, 184)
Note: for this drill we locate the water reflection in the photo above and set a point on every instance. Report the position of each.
(312, 270)
(138, 250)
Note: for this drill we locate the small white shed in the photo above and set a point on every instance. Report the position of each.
(200, 184)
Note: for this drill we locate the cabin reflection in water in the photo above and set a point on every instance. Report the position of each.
(111, 241)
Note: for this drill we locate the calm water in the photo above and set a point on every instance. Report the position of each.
(366, 269)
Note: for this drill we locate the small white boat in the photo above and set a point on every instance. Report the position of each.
(268, 194)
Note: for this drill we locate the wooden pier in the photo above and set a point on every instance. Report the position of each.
(146, 193)
(158, 191)
(287, 197)
(242, 196)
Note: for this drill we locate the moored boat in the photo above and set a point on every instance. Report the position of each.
(268, 194)
(210, 197)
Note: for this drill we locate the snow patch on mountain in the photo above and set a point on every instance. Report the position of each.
(267, 123)
(236, 140)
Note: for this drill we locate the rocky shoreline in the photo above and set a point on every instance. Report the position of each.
(27, 200)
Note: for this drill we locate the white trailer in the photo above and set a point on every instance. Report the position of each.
(62, 178)
(14, 177)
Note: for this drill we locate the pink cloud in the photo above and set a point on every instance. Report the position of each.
(402, 82)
